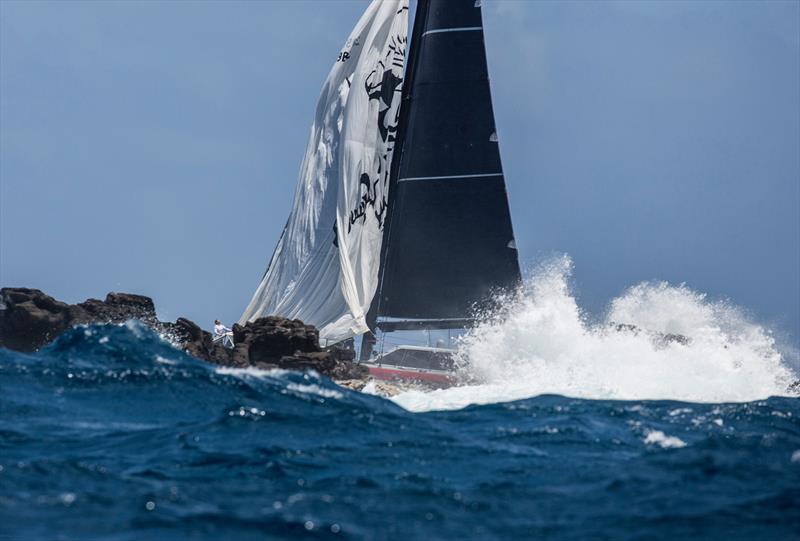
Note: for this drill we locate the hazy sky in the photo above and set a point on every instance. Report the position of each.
(153, 147)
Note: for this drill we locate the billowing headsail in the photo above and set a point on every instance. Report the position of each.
(325, 267)
(449, 241)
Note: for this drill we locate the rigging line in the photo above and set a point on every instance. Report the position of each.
(483, 175)
(459, 29)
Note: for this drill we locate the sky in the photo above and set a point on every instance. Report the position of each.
(153, 147)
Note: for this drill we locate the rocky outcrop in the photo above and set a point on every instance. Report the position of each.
(30, 319)
(118, 307)
(269, 342)
(271, 338)
(198, 343)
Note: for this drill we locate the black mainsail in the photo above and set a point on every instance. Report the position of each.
(448, 243)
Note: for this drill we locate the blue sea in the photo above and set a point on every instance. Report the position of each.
(111, 433)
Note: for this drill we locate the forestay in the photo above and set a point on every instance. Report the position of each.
(324, 270)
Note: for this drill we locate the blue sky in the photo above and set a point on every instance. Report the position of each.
(153, 147)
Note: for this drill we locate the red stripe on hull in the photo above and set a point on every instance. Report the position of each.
(384, 373)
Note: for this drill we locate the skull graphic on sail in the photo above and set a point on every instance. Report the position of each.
(384, 86)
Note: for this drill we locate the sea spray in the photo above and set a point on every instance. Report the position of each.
(543, 343)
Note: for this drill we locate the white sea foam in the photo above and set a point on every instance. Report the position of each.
(314, 389)
(545, 344)
(310, 388)
(656, 437)
(371, 388)
(253, 372)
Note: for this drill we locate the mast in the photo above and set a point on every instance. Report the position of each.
(368, 339)
(448, 241)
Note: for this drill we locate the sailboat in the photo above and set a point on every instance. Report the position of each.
(400, 219)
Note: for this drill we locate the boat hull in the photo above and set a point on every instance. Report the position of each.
(440, 378)
(415, 364)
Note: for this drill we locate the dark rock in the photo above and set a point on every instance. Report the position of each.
(321, 361)
(194, 340)
(658, 338)
(344, 354)
(271, 338)
(671, 337)
(344, 350)
(625, 327)
(186, 330)
(200, 344)
(274, 342)
(29, 319)
(348, 370)
(119, 307)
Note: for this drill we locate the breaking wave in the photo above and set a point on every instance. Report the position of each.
(112, 433)
(656, 341)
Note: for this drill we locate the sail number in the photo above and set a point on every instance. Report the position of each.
(344, 56)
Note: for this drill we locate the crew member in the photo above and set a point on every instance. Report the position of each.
(223, 334)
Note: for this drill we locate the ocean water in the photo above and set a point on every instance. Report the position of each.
(567, 431)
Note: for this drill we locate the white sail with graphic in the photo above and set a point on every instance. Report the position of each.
(324, 269)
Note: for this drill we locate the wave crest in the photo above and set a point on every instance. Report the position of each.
(544, 344)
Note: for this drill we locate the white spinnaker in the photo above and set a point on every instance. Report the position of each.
(324, 270)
